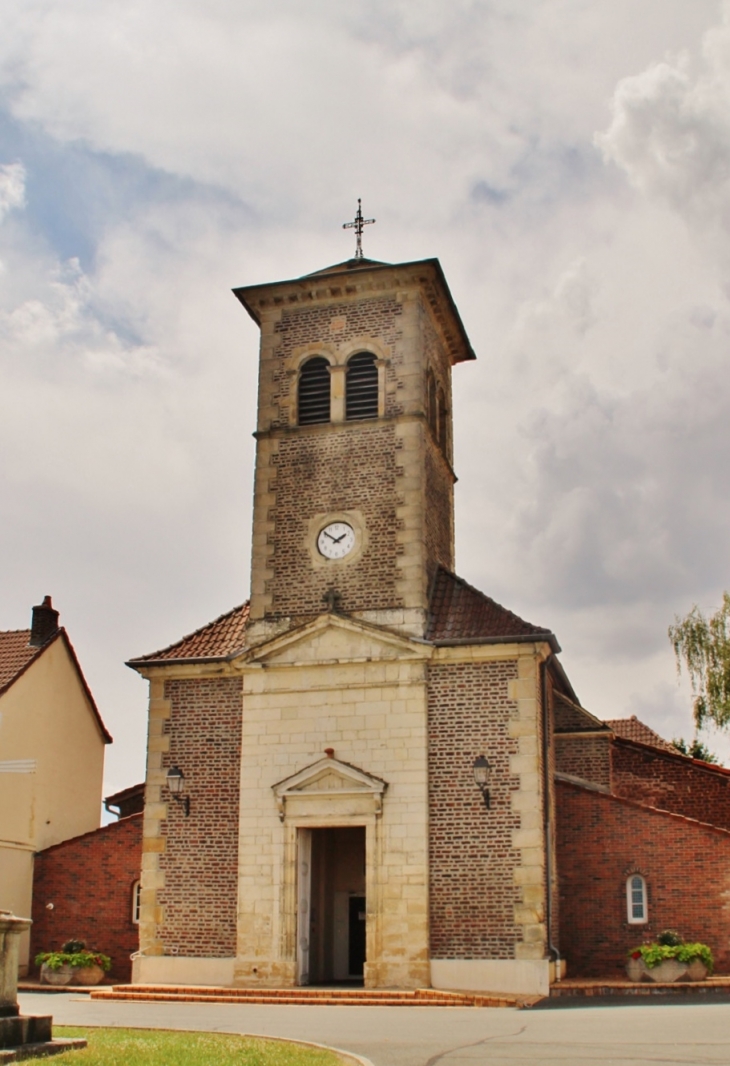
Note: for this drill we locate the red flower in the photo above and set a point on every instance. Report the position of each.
(635, 954)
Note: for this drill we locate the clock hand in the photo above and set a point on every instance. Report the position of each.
(330, 536)
(338, 539)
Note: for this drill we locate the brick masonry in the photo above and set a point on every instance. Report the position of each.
(200, 860)
(352, 467)
(473, 891)
(89, 880)
(671, 782)
(587, 757)
(602, 840)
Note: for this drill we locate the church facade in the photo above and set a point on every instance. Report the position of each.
(352, 777)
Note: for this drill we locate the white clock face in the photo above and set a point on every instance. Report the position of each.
(336, 540)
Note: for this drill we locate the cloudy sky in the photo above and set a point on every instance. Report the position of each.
(569, 163)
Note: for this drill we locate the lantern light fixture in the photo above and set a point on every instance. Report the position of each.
(176, 785)
(482, 771)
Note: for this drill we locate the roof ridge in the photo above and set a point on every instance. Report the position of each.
(3, 632)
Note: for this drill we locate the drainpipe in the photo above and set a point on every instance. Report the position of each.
(547, 812)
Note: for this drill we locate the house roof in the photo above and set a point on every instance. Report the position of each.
(219, 639)
(632, 729)
(16, 655)
(460, 613)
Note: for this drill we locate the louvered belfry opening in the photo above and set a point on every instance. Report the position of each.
(361, 387)
(314, 392)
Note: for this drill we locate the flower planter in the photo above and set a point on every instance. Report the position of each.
(696, 970)
(636, 970)
(87, 975)
(61, 976)
(667, 971)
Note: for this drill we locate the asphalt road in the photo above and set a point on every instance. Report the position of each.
(626, 1035)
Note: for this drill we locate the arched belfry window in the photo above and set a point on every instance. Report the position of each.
(636, 903)
(431, 400)
(442, 420)
(314, 392)
(361, 387)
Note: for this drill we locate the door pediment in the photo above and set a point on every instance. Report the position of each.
(329, 788)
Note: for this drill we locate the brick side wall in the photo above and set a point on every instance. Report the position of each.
(472, 888)
(350, 467)
(601, 842)
(89, 881)
(439, 511)
(586, 757)
(670, 782)
(200, 861)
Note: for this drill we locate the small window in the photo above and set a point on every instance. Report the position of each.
(314, 392)
(361, 387)
(636, 900)
(136, 901)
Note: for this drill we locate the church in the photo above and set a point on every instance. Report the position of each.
(355, 775)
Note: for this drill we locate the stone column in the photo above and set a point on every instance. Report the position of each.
(10, 930)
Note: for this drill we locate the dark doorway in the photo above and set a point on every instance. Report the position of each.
(357, 936)
(337, 922)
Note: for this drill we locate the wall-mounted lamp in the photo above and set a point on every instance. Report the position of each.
(482, 770)
(176, 784)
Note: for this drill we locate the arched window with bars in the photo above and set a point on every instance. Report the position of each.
(431, 400)
(636, 902)
(361, 387)
(442, 421)
(313, 397)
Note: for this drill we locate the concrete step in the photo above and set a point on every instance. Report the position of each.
(306, 996)
(576, 986)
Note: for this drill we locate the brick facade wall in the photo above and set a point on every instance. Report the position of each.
(586, 756)
(200, 861)
(350, 467)
(472, 859)
(89, 881)
(671, 782)
(602, 840)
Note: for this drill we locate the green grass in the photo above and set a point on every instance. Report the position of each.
(153, 1047)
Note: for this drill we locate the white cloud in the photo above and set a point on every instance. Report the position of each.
(12, 187)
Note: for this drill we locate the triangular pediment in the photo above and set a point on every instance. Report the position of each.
(334, 638)
(333, 782)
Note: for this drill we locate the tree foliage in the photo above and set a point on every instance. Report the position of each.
(695, 749)
(702, 646)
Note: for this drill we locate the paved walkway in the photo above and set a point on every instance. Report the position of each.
(616, 1035)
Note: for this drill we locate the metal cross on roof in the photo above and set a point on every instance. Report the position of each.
(357, 225)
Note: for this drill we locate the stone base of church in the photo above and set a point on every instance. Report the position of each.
(393, 973)
(181, 970)
(529, 977)
(260, 974)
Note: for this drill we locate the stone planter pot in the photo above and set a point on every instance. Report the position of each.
(636, 970)
(696, 970)
(61, 976)
(87, 975)
(667, 971)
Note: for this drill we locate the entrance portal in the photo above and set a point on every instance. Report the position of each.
(336, 940)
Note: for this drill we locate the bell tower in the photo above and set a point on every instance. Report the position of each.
(353, 498)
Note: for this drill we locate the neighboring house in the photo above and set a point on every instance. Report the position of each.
(102, 906)
(52, 743)
(643, 844)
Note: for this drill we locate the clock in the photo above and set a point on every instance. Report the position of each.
(336, 540)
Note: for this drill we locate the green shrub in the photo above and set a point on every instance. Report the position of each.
(54, 960)
(653, 954)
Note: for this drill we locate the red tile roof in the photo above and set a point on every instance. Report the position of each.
(461, 613)
(632, 729)
(15, 654)
(216, 640)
